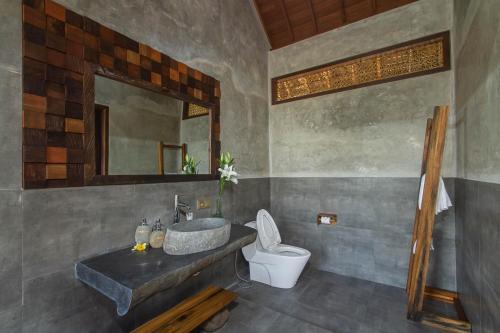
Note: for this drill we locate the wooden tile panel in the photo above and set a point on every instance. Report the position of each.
(56, 44)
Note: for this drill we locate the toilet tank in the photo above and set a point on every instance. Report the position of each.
(251, 224)
(250, 249)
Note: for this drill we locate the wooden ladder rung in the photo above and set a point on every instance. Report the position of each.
(191, 313)
(440, 294)
(445, 323)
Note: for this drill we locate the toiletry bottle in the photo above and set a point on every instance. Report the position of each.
(157, 236)
(143, 232)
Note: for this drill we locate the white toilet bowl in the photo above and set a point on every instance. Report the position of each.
(271, 262)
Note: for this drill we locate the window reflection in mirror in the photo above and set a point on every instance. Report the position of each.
(142, 132)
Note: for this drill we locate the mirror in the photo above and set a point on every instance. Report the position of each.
(142, 132)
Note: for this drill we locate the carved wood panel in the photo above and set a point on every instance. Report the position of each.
(422, 56)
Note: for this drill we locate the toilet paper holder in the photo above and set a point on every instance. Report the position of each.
(326, 218)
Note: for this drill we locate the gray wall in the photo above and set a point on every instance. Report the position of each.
(43, 232)
(367, 145)
(371, 239)
(375, 131)
(478, 248)
(10, 166)
(195, 132)
(477, 87)
(138, 120)
(95, 220)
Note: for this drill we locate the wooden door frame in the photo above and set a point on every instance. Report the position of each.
(160, 156)
(102, 141)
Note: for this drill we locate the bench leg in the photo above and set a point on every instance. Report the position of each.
(217, 321)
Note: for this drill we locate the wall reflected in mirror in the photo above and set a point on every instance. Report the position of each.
(142, 132)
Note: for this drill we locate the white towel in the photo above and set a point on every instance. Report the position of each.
(443, 201)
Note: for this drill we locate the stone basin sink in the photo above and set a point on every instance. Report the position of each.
(196, 236)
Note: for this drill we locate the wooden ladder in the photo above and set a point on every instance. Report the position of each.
(422, 234)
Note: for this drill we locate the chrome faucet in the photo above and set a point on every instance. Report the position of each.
(182, 208)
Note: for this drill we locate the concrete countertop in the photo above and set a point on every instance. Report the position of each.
(128, 277)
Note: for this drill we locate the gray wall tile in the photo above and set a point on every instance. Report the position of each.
(248, 197)
(295, 199)
(11, 320)
(375, 220)
(478, 268)
(10, 249)
(62, 226)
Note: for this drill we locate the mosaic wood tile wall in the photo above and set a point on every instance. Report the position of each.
(422, 56)
(56, 44)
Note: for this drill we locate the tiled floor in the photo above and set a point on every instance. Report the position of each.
(321, 302)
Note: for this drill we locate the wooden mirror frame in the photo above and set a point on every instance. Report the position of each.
(91, 178)
(62, 53)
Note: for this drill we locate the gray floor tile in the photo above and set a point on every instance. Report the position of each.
(323, 302)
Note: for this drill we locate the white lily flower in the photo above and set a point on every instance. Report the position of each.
(228, 174)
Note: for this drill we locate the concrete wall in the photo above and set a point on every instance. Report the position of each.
(10, 165)
(477, 87)
(375, 131)
(138, 120)
(367, 145)
(43, 232)
(195, 132)
(94, 220)
(372, 238)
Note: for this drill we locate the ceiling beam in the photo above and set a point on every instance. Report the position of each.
(313, 16)
(285, 14)
(344, 19)
(374, 7)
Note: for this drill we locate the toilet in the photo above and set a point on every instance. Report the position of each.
(271, 262)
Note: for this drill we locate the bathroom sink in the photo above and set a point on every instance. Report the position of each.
(196, 236)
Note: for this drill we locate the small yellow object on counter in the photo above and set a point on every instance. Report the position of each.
(139, 247)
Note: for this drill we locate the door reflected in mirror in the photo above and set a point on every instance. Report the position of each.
(142, 132)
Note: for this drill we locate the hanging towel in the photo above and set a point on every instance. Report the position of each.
(415, 246)
(443, 201)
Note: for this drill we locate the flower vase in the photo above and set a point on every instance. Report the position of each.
(218, 207)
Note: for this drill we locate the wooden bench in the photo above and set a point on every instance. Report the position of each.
(191, 313)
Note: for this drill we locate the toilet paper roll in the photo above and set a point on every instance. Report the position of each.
(325, 219)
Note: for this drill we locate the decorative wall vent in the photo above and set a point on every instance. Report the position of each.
(192, 110)
(422, 56)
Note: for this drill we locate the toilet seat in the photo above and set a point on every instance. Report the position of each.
(289, 251)
(267, 230)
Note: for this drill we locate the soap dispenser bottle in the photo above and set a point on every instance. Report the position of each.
(157, 236)
(142, 233)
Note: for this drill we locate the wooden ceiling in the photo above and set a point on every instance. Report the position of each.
(289, 21)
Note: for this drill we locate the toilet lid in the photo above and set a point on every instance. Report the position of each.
(267, 230)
